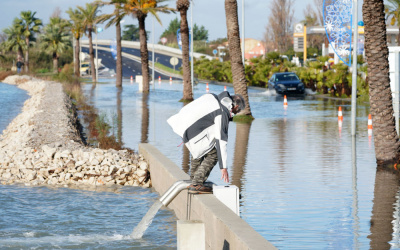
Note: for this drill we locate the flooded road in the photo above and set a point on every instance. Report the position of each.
(299, 188)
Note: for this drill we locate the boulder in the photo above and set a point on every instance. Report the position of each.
(48, 151)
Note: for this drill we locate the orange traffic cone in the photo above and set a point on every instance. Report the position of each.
(159, 79)
(285, 101)
(369, 122)
(224, 88)
(131, 78)
(207, 89)
(369, 128)
(340, 114)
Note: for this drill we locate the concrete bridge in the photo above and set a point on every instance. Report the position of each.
(131, 57)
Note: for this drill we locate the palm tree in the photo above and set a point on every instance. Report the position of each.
(55, 39)
(115, 19)
(31, 25)
(15, 40)
(77, 30)
(140, 9)
(238, 74)
(386, 140)
(131, 32)
(392, 11)
(90, 19)
(182, 6)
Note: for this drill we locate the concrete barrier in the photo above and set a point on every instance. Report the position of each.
(223, 228)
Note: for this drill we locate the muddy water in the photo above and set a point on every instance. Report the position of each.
(299, 188)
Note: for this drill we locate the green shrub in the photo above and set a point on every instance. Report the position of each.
(336, 81)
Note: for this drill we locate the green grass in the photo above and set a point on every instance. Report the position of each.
(165, 68)
(243, 118)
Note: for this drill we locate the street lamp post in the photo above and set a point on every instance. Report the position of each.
(98, 30)
(243, 32)
(354, 73)
(191, 47)
(154, 85)
(220, 54)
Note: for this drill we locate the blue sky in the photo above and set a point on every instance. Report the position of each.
(209, 13)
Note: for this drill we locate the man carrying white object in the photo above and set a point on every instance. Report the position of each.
(203, 127)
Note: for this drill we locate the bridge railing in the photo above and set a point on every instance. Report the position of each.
(157, 48)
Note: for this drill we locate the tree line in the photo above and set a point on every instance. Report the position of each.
(55, 38)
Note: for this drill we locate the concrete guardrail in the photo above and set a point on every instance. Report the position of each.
(223, 228)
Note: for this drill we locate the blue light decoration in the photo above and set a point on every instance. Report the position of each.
(113, 48)
(338, 27)
(179, 38)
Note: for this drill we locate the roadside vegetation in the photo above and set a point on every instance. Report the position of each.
(333, 80)
(98, 130)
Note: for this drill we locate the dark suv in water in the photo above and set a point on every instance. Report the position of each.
(286, 83)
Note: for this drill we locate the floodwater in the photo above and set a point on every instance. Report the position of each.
(11, 102)
(299, 187)
(65, 218)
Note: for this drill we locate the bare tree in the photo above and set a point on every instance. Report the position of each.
(318, 5)
(279, 31)
(313, 17)
(269, 42)
(56, 12)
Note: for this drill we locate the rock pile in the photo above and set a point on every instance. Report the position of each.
(41, 146)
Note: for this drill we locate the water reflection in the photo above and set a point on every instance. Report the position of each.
(382, 221)
(356, 226)
(185, 159)
(145, 118)
(185, 154)
(92, 92)
(297, 177)
(119, 115)
(240, 153)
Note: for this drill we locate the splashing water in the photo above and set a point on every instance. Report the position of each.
(310, 92)
(146, 221)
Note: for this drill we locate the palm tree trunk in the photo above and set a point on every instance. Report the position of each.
(182, 7)
(398, 38)
(145, 118)
(385, 196)
(77, 59)
(119, 115)
(240, 153)
(91, 53)
(144, 52)
(55, 63)
(386, 140)
(27, 55)
(119, 56)
(20, 53)
(238, 74)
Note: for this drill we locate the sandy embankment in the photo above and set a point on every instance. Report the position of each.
(42, 146)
